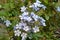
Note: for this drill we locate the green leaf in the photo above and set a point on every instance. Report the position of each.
(6, 6)
(3, 13)
(46, 17)
(46, 1)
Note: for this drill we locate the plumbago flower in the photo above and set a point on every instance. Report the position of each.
(24, 36)
(26, 26)
(17, 32)
(37, 5)
(36, 29)
(7, 23)
(23, 9)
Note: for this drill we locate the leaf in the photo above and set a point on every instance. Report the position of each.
(3, 13)
(11, 5)
(46, 1)
(46, 17)
(6, 6)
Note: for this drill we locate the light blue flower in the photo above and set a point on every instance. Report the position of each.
(36, 29)
(34, 7)
(28, 19)
(37, 1)
(37, 5)
(44, 7)
(24, 36)
(23, 9)
(17, 32)
(26, 28)
(22, 24)
(25, 14)
(41, 19)
(7, 23)
(42, 23)
(18, 26)
(25, 17)
(32, 14)
(35, 17)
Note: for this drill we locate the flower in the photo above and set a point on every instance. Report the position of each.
(37, 1)
(32, 14)
(29, 19)
(24, 36)
(23, 9)
(17, 32)
(44, 7)
(37, 5)
(26, 18)
(43, 23)
(41, 19)
(25, 14)
(34, 6)
(22, 24)
(36, 29)
(18, 27)
(8, 23)
(26, 28)
(35, 17)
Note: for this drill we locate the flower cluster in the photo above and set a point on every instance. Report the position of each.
(37, 5)
(27, 23)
